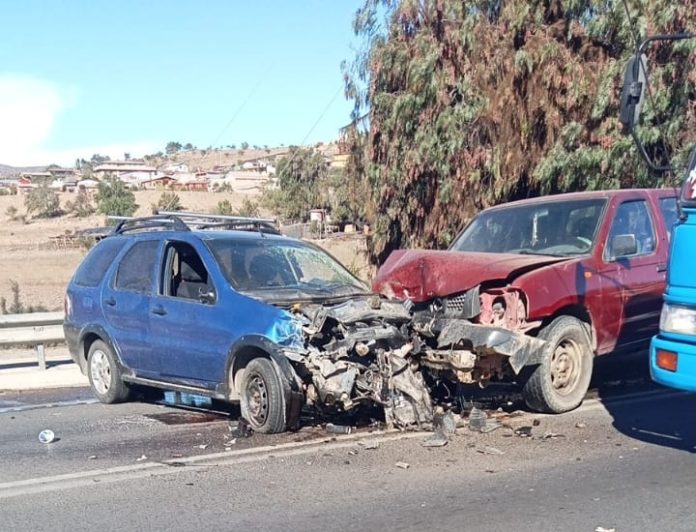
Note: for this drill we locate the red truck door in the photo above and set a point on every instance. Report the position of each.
(640, 272)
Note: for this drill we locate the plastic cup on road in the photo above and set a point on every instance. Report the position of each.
(47, 436)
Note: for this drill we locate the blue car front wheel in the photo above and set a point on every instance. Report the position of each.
(264, 397)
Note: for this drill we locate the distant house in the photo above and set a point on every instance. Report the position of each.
(176, 168)
(57, 184)
(190, 182)
(62, 172)
(119, 168)
(162, 181)
(25, 184)
(339, 160)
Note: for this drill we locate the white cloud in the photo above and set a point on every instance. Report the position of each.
(29, 109)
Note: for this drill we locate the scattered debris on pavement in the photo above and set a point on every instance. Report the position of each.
(480, 422)
(524, 432)
(490, 450)
(437, 439)
(242, 429)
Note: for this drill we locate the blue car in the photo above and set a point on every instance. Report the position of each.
(230, 309)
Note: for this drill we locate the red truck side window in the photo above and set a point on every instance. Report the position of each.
(668, 207)
(633, 218)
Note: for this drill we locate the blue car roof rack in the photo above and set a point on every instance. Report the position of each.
(127, 224)
(188, 221)
(201, 221)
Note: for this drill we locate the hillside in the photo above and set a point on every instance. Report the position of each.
(7, 171)
(208, 159)
(198, 159)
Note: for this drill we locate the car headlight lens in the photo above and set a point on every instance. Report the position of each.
(676, 319)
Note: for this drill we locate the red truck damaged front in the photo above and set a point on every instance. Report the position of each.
(473, 318)
(543, 284)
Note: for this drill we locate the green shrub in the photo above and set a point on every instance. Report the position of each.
(42, 202)
(114, 199)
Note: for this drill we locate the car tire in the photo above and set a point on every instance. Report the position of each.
(264, 397)
(560, 378)
(105, 376)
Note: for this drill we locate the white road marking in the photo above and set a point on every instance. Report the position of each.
(47, 484)
(24, 406)
(121, 473)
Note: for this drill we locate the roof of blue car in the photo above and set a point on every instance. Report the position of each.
(212, 235)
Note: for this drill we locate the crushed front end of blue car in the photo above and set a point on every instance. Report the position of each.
(355, 352)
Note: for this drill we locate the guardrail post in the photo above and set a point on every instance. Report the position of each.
(41, 354)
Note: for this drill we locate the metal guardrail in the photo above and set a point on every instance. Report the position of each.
(34, 329)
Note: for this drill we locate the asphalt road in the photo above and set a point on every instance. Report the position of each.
(623, 461)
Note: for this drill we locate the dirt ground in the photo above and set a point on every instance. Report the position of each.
(31, 257)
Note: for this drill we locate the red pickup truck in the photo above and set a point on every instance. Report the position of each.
(531, 290)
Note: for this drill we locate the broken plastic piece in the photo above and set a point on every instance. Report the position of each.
(477, 419)
(338, 429)
(436, 440)
(242, 430)
(446, 422)
(524, 432)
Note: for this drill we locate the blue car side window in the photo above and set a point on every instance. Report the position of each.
(135, 273)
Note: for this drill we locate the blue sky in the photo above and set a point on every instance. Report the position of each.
(80, 77)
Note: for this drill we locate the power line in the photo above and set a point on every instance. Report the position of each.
(239, 109)
(316, 123)
(321, 116)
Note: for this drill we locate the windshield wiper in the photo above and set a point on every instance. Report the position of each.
(530, 252)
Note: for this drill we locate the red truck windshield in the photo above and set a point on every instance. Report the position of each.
(561, 228)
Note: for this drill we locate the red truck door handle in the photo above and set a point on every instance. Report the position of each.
(661, 267)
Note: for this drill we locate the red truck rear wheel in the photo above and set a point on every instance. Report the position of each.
(559, 380)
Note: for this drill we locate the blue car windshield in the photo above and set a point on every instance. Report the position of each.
(284, 267)
(561, 228)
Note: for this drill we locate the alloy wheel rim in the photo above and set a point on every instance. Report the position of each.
(100, 370)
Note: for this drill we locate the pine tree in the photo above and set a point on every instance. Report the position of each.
(474, 103)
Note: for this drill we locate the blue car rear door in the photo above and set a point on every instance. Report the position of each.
(125, 300)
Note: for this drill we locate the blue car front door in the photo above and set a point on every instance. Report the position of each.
(191, 335)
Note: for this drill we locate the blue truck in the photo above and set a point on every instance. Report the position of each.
(673, 349)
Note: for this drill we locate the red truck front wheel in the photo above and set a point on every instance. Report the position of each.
(560, 379)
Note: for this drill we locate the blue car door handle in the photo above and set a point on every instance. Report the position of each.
(110, 301)
(159, 310)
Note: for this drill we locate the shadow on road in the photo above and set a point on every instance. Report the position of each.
(647, 416)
